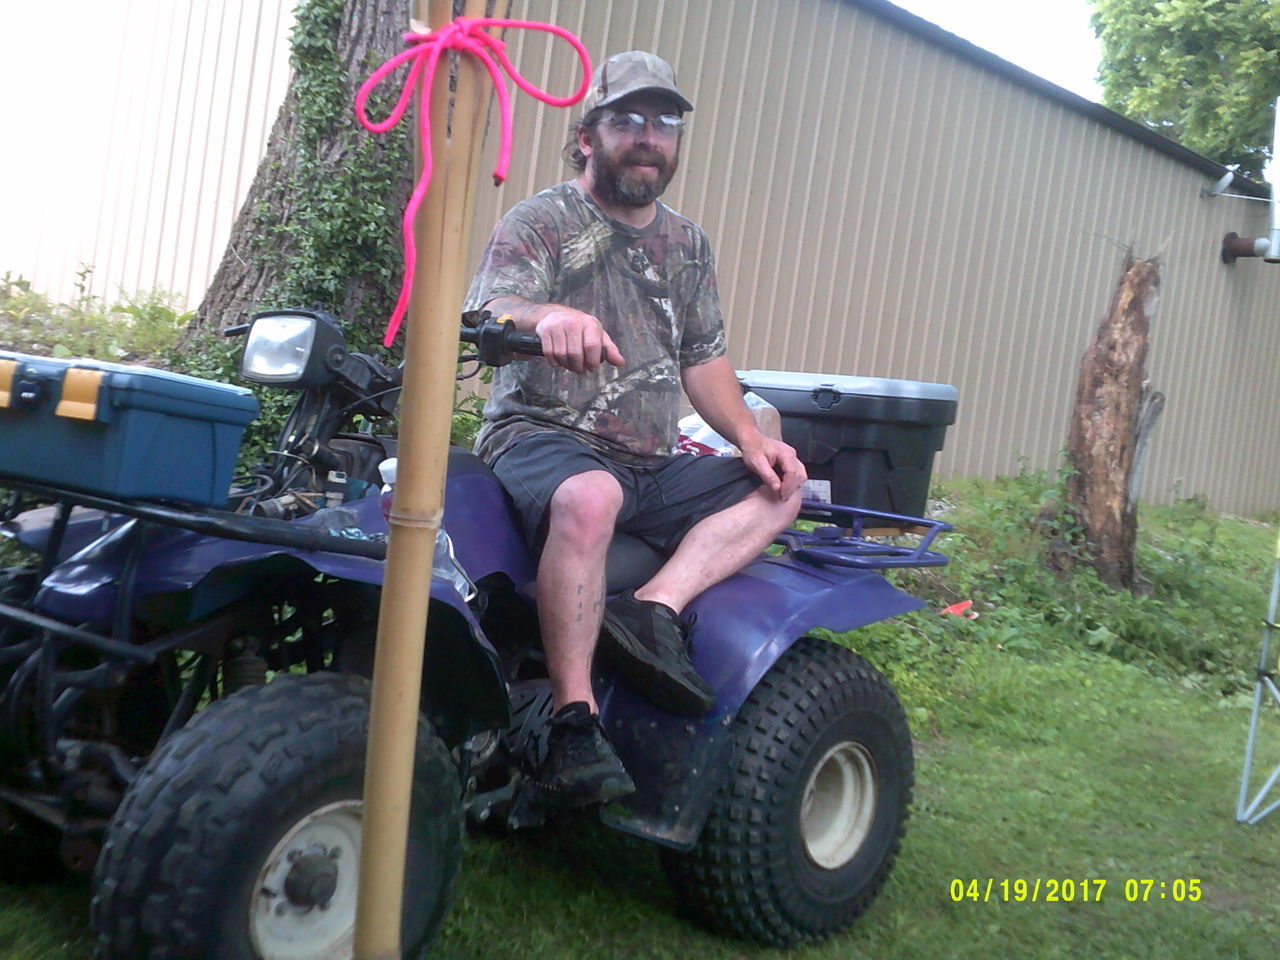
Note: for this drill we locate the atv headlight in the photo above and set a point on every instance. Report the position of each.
(447, 568)
(293, 348)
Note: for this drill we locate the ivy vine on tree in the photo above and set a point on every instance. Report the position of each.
(1205, 73)
(320, 226)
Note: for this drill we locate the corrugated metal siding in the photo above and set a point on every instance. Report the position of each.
(154, 116)
(879, 204)
(883, 207)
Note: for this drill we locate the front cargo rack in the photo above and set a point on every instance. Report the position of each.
(202, 519)
(854, 537)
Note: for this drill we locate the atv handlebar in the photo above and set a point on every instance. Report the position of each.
(496, 338)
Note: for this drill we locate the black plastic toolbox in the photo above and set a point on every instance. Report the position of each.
(866, 442)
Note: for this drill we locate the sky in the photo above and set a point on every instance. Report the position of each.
(1051, 38)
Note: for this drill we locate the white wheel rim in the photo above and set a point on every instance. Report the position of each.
(839, 805)
(280, 928)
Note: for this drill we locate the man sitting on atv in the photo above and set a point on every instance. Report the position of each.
(621, 290)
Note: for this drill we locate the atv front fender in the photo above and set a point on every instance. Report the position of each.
(33, 528)
(463, 689)
(83, 588)
(741, 627)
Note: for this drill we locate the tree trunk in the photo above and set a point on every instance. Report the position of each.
(1149, 413)
(279, 246)
(320, 226)
(243, 280)
(1103, 439)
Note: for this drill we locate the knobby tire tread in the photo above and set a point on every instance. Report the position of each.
(735, 879)
(159, 869)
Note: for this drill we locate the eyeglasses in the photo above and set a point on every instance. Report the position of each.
(632, 124)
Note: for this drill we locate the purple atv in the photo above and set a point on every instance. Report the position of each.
(184, 695)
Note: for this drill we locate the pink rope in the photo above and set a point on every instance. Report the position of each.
(425, 50)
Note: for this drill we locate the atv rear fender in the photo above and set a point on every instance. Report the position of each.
(741, 627)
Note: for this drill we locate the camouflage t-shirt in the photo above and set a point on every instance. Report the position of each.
(654, 291)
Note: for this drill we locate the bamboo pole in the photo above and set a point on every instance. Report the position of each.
(431, 340)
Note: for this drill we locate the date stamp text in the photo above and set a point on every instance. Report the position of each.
(1073, 890)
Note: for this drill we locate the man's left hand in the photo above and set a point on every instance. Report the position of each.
(777, 465)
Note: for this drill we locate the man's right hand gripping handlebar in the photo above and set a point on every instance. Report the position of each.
(569, 338)
(573, 339)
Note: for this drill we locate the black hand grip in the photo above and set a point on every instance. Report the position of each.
(498, 341)
(526, 343)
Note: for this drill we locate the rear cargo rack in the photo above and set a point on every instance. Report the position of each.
(854, 537)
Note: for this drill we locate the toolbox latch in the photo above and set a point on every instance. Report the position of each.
(79, 394)
(826, 397)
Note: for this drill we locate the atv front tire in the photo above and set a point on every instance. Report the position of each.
(240, 839)
(804, 831)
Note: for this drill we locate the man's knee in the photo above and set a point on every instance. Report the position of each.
(774, 513)
(585, 507)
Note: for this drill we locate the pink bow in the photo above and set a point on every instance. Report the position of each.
(425, 50)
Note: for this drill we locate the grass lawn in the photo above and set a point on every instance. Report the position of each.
(1062, 766)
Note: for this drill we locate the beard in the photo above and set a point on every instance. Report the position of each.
(618, 181)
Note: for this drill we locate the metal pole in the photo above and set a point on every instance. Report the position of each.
(1272, 175)
(1244, 813)
(431, 340)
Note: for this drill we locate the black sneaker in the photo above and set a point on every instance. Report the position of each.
(646, 643)
(580, 768)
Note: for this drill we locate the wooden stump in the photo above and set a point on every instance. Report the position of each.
(1103, 440)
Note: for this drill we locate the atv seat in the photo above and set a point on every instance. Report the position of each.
(630, 561)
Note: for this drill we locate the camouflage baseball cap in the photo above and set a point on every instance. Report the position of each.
(632, 72)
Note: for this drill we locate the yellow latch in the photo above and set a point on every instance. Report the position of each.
(79, 394)
(7, 370)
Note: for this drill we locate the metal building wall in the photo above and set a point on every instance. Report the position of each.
(136, 154)
(880, 205)
(883, 207)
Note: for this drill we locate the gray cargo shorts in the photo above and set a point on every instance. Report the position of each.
(660, 503)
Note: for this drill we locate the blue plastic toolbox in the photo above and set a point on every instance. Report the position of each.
(119, 431)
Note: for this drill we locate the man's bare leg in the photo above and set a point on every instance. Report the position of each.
(571, 580)
(718, 546)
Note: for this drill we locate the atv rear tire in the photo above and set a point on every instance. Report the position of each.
(804, 831)
(241, 837)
